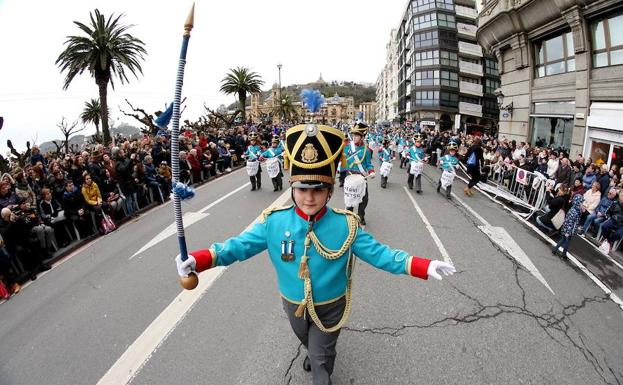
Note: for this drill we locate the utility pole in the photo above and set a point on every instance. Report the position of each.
(279, 65)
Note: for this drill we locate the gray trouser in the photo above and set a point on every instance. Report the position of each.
(320, 346)
(45, 235)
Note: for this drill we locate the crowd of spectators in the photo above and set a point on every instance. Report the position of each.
(53, 200)
(600, 212)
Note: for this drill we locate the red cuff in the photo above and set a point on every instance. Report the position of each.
(205, 259)
(418, 267)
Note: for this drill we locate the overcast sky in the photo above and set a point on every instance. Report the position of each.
(343, 39)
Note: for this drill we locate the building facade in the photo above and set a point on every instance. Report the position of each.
(336, 109)
(561, 65)
(368, 109)
(442, 71)
(387, 84)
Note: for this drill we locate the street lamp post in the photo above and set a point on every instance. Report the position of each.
(279, 65)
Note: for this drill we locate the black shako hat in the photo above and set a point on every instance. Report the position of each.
(312, 153)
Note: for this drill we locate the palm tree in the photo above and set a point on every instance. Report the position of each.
(91, 114)
(286, 109)
(241, 81)
(106, 50)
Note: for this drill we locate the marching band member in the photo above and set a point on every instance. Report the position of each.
(448, 163)
(253, 153)
(359, 161)
(313, 249)
(415, 153)
(385, 156)
(275, 151)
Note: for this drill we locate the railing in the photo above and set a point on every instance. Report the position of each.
(470, 109)
(466, 29)
(470, 68)
(466, 12)
(471, 88)
(521, 187)
(470, 49)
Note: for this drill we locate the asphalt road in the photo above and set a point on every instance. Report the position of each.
(492, 323)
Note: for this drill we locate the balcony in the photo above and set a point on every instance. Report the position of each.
(469, 49)
(470, 109)
(466, 30)
(408, 93)
(468, 3)
(466, 12)
(470, 68)
(471, 88)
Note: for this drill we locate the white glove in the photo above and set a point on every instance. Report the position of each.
(184, 268)
(372, 175)
(436, 268)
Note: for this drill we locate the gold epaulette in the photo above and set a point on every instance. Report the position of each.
(266, 213)
(347, 212)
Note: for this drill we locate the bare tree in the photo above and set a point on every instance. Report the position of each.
(68, 130)
(146, 119)
(18, 157)
(225, 117)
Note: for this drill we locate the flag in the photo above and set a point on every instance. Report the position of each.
(164, 118)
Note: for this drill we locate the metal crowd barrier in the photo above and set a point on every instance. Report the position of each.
(520, 187)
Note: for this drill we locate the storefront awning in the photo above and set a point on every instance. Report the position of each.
(561, 116)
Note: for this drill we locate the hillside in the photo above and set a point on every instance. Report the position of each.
(362, 93)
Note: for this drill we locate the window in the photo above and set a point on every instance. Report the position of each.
(449, 99)
(445, 20)
(427, 98)
(470, 80)
(426, 58)
(491, 67)
(424, 5)
(425, 39)
(555, 132)
(491, 85)
(427, 78)
(449, 59)
(427, 20)
(555, 56)
(607, 39)
(449, 79)
(467, 99)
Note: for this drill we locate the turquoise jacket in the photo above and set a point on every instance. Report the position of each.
(273, 152)
(415, 153)
(448, 162)
(284, 231)
(385, 155)
(253, 153)
(363, 154)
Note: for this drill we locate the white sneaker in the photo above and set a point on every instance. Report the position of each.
(605, 247)
(228, 169)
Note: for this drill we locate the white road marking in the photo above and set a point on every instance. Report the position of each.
(208, 207)
(139, 352)
(615, 298)
(189, 219)
(502, 238)
(430, 229)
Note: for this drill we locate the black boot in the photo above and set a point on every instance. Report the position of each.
(306, 364)
(410, 186)
(275, 185)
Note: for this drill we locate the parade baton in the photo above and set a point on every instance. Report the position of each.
(180, 190)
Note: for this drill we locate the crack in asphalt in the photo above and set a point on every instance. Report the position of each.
(287, 377)
(550, 322)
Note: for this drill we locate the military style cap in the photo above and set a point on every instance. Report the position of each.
(275, 139)
(313, 152)
(359, 128)
(253, 135)
(418, 137)
(452, 146)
